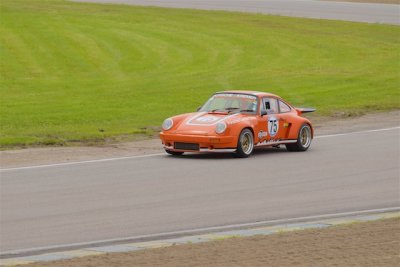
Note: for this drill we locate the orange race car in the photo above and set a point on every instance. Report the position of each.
(238, 121)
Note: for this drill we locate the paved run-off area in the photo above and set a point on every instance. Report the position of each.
(335, 10)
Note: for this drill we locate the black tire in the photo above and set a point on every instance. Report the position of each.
(243, 150)
(174, 153)
(304, 138)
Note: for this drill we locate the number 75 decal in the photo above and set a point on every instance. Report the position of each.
(273, 126)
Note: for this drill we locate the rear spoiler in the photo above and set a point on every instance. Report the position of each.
(305, 110)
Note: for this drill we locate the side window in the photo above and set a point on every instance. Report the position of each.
(271, 105)
(283, 107)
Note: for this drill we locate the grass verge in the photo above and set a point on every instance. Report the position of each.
(76, 72)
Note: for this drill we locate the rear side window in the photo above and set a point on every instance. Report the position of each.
(271, 105)
(283, 107)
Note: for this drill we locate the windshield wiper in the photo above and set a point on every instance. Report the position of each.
(230, 109)
(214, 110)
(246, 110)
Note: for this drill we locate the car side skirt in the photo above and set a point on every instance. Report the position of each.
(273, 143)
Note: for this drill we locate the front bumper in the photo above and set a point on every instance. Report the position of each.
(212, 143)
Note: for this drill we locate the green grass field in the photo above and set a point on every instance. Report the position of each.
(73, 72)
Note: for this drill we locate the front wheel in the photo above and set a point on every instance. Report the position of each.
(245, 144)
(175, 153)
(303, 139)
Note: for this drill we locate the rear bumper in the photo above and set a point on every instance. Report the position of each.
(206, 143)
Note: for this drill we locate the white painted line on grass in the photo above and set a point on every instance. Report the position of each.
(165, 235)
(159, 154)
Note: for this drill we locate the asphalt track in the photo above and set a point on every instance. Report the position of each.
(361, 12)
(110, 199)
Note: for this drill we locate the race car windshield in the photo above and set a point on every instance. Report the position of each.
(231, 103)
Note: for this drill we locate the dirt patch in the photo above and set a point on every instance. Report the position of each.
(369, 1)
(51, 155)
(362, 244)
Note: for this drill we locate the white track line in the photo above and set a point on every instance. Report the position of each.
(159, 154)
(82, 162)
(359, 132)
(167, 235)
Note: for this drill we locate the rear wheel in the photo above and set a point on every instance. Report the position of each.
(303, 139)
(175, 153)
(245, 144)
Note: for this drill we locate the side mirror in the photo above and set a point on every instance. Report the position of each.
(264, 112)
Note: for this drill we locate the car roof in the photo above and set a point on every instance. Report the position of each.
(255, 93)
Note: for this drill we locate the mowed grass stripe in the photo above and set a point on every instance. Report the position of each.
(75, 72)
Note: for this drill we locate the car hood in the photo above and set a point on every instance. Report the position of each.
(203, 123)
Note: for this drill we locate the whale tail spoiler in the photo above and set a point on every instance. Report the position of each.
(305, 110)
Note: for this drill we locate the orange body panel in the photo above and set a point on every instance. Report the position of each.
(199, 127)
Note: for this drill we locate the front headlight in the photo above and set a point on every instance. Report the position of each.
(167, 124)
(220, 127)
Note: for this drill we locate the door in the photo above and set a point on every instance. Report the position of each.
(275, 121)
